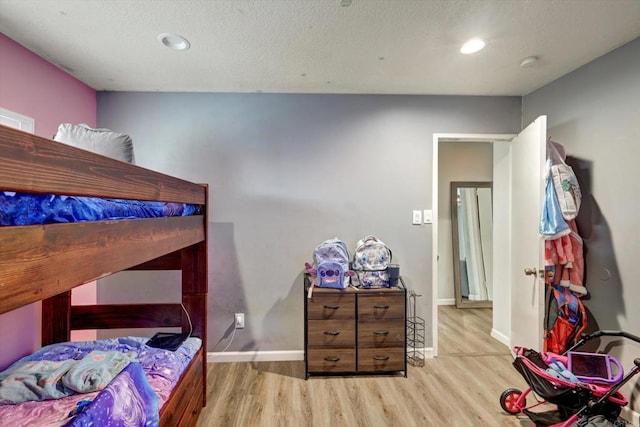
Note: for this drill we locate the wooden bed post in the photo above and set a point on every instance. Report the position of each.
(194, 298)
(195, 285)
(56, 318)
(194, 288)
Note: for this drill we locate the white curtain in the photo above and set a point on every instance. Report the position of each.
(474, 225)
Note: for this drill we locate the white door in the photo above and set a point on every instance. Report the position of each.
(528, 156)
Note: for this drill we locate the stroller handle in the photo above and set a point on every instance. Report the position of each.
(603, 333)
(637, 362)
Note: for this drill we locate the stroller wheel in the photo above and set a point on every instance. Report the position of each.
(509, 400)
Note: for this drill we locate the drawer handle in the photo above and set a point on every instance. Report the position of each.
(381, 358)
(384, 306)
(381, 332)
(332, 307)
(334, 333)
(332, 359)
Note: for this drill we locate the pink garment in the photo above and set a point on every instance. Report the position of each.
(564, 261)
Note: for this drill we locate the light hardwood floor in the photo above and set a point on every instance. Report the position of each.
(461, 387)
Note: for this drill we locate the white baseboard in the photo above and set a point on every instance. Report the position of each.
(630, 416)
(501, 337)
(255, 356)
(446, 301)
(427, 351)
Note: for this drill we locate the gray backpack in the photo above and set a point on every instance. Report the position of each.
(370, 262)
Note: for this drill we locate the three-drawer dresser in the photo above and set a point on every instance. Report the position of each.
(354, 331)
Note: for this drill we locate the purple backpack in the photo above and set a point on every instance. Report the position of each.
(331, 259)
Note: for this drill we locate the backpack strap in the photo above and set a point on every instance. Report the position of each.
(310, 292)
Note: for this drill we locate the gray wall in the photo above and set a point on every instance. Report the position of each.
(287, 172)
(595, 112)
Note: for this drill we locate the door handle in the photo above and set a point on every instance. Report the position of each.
(533, 272)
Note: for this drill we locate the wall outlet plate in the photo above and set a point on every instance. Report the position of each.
(239, 320)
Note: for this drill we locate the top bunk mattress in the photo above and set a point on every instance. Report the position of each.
(33, 209)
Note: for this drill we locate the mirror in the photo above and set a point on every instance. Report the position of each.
(472, 225)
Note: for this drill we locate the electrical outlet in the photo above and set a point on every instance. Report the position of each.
(239, 320)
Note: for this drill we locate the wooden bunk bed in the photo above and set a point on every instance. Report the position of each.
(44, 262)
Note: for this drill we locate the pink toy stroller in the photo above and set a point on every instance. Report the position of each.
(579, 395)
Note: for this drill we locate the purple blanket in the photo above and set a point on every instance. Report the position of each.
(132, 398)
(128, 400)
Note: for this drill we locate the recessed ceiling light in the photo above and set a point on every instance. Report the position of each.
(174, 41)
(472, 46)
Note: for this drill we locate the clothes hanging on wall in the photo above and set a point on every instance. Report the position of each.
(564, 256)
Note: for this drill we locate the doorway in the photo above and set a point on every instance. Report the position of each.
(518, 194)
(480, 148)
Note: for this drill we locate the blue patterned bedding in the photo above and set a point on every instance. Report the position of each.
(31, 209)
(133, 397)
(28, 380)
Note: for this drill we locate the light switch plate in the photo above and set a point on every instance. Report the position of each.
(417, 217)
(428, 216)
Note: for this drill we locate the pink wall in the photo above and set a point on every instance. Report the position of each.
(33, 87)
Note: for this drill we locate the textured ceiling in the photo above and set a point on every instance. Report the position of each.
(319, 46)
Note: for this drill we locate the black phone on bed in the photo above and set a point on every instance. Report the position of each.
(167, 340)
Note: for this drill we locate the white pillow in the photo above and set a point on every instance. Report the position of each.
(102, 141)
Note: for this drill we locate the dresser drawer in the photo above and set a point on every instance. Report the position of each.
(354, 331)
(381, 333)
(331, 333)
(381, 306)
(381, 359)
(331, 306)
(331, 360)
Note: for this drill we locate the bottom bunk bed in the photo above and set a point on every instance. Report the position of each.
(120, 381)
(156, 386)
